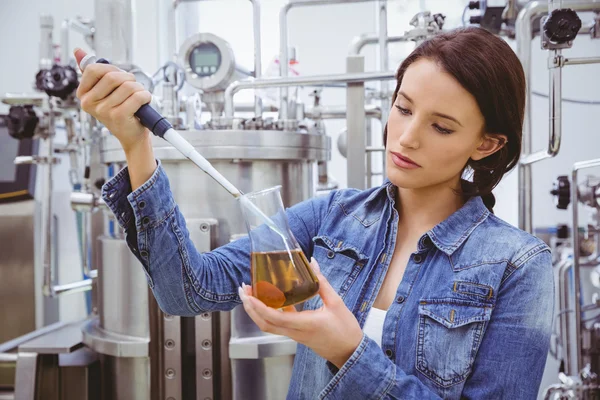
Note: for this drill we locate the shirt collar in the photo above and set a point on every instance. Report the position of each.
(448, 235)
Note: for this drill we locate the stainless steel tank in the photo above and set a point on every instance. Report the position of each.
(232, 358)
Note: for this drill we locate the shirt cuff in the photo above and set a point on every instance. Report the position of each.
(152, 202)
(368, 373)
(146, 206)
(114, 193)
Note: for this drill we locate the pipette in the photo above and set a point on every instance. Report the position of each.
(162, 128)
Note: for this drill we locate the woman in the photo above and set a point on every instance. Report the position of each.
(464, 299)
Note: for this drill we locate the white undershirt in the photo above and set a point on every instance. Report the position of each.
(374, 324)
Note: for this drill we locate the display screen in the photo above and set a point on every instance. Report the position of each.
(205, 59)
(9, 149)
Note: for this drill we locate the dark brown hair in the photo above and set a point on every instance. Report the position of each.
(489, 69)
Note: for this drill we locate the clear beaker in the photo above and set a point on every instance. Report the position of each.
(281, 274)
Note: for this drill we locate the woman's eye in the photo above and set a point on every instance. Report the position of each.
(403, 111)
(442, 130)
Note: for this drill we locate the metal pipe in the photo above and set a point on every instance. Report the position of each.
(85, 243)
(16, 342)
(359, 42)
(581, 60)
(555, 107)
(563, 301)
(71, 148)
(64, 42)
(384, 87)
(524, 37)
(74, 287)
(46, 217)
(576, 275)
(355, 126)
(283, 42)
(81, 201)
(371, 111)
(9, 357)
(235, 87)
(370, 149)
(258, 110)
(369, 172)
(46, 49)
(383, 48)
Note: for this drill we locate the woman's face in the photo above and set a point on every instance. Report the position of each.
(434, 127)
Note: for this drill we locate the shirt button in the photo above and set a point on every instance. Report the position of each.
(330, 254)
(142, 204)
(389, 353)
(145, 220)
(427, 241)
(144, 253)
(400, 299)
(417, 258)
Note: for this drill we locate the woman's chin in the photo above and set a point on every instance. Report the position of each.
(404, 180)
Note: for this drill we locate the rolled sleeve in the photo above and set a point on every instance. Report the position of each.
(145, 207)
(367, 374)
(114, 193)
(152, 202)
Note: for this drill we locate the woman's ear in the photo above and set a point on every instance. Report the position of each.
(490, 144)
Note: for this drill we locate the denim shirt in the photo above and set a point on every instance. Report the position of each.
(471, 318)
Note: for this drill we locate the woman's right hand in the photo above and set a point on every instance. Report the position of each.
(112, 96)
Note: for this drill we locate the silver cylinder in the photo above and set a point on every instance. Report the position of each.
(123, 291)
(113, 38)
(251, 160)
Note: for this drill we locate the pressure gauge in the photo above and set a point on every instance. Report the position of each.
(209, 62)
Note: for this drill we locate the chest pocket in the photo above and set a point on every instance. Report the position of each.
(341, 264)
(450, 332)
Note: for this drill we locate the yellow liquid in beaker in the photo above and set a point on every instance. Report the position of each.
(279, 280)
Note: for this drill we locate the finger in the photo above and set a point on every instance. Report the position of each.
(108, 84)
(92, 75)
(247, 289)
(328, 294)
(133, 104)
(315, 265)
(303, 321)
(79, 54)
(122, 93)
(264, 326)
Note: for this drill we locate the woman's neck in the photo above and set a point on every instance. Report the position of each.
(422, 209)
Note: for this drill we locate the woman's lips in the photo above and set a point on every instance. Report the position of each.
(403, 161)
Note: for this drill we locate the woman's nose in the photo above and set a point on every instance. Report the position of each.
(409, 137)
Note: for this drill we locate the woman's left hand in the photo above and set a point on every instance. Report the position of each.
(332, 331)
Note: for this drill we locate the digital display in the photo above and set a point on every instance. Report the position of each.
(205, 59)
(9, 149)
